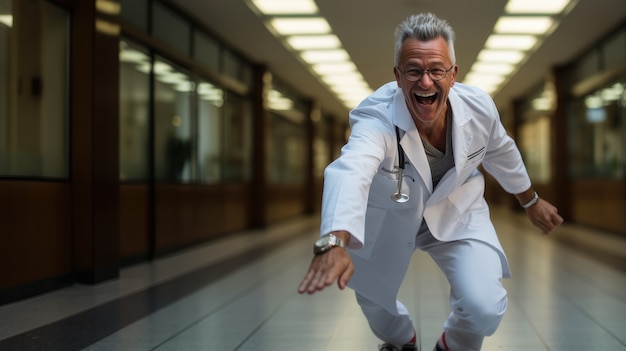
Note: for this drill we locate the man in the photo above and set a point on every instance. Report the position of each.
(407, 179)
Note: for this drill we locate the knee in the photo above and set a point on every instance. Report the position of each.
(481, 312)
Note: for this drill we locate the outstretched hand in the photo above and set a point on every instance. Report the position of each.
(326, 268)
(544, 216)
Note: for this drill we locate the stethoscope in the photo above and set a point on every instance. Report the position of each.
(399, 196)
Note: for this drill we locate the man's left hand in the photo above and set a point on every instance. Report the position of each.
(544, 216)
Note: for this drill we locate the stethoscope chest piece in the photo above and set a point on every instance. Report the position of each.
(399, 196)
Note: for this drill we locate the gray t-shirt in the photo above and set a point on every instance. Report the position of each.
(440, 163)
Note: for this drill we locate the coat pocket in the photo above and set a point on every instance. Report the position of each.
(467, 195)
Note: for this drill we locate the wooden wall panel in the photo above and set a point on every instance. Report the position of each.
(189, 214)
(600, 204)
(36, 232)
(134, 223)
(285, 201)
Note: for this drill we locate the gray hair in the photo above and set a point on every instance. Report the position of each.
(424, 27)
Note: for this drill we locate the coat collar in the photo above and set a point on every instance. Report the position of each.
(412, 143)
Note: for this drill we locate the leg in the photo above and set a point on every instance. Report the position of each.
(392, 327)
(477, 298)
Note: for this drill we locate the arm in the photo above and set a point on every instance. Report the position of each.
(344, 202)
(505, 163)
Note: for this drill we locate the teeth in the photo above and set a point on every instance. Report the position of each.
(425, 95)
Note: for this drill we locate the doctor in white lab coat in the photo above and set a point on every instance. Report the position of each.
(424, 136)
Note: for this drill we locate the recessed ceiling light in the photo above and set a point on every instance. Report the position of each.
(317, 56)
(519, 42)
(309, 25)
(329, 68)
(7, 20)
(493, 68)
(342, 78)
(282, 7)
(483, 79)
(505, 56)
(305, 42)
(523, 25)
(536, 6)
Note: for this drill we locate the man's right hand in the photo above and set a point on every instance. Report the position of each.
(334, 264)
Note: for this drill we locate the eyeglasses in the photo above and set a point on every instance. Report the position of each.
(435, 74)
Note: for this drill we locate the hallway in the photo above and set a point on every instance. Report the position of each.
(239, 293)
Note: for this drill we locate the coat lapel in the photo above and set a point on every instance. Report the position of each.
(410, 140)
(414, 149)
(461, 141)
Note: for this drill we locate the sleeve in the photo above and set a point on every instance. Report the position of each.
(503, 159)
(347, 180)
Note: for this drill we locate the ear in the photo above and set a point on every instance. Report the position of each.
(454, 72)
(396, 73)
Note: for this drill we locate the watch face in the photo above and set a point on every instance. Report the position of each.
(323, 244)
(323, 241)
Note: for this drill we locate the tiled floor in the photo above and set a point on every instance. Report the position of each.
(240, 293)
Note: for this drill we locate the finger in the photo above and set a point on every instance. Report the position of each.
(319, 282)
(319, 278)
(306, 281)
(343, 280)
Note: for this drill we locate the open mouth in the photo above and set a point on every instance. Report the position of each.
(426, 99)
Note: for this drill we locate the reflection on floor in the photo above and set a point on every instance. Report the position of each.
(568, 293)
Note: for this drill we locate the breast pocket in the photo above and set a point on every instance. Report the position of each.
(475, 158)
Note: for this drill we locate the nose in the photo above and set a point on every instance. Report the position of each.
(425, 81)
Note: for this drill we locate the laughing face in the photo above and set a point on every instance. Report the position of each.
(425, 98)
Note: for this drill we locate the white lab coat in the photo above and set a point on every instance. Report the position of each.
(359, 184)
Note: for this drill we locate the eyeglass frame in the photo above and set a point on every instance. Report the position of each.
(422, 71)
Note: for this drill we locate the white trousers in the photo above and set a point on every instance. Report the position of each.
(477, 298)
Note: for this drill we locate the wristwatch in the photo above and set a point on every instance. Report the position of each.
(326, 243)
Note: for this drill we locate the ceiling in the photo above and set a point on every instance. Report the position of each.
(366, 28)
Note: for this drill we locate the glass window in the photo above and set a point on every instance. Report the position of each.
(598, 133)
(236, 68)
(534, 134)
(210, 102)
(237, 151)
(287, 151)
(173, 127)
(287, 142)
(33, 89)
(136, 13)
(207, 51)
(171, 28)
(134, 112)
(321, 145)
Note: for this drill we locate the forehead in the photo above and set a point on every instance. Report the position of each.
(432, 51)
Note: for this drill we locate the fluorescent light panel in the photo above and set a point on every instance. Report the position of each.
(504, 56)
(481, 78)
(309, 25)
(7, 20)
(493, 68)
(283, 7)
(329, 68)
(523, 25)
(318, 56)
(518, 42)
(342, 78)
(305, 42)
(536, 6)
